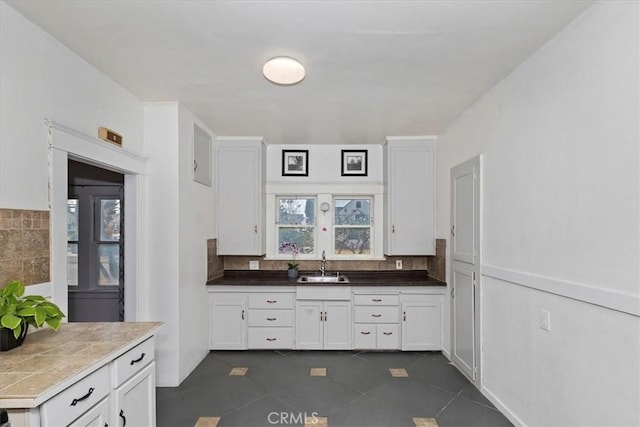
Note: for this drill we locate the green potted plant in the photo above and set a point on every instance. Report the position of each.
(17, 312)
(293, 249)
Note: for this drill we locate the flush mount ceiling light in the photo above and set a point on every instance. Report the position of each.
(283, 70)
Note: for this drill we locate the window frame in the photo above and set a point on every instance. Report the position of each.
(279, 226)
(370, 226)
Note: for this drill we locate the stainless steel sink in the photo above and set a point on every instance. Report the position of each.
(323, 279)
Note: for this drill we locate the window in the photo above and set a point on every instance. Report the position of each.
(72, 241)
(296, 223)
(352, 226)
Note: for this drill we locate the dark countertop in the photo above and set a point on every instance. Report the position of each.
(356, 278)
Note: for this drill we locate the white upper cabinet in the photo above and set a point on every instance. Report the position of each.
(241, 196)
(409, 175)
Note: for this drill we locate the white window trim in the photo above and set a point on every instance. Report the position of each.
(324, 239)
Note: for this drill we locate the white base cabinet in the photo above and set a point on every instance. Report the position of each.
(97, 416)
(323, 325)
(134, 401)
(422, 322)
(363, 318)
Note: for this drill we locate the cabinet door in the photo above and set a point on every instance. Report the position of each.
(97, 416)
(337, 325)
(309, 325)
(410, 226)
(240, 198)
(135, 400)
(227, 314)
(422, 324)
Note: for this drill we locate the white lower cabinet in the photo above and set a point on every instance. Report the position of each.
(134, 401)
(97, 416)
(422, 322)
(123, 392)
(329, 318)
(323, 325)
(227, 321)
(376, 317)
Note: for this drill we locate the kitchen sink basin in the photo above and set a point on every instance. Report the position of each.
(323, 279)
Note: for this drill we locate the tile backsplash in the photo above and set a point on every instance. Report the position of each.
(24, 246)
(434, 264)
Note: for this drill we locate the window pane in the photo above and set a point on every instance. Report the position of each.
(72, 264)
(353, 212)
(352, 241)
(296, 211)
(110, 220)
(303, 237)
(109, 263)
(72, 219)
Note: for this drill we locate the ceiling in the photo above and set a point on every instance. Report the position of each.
(374, 68)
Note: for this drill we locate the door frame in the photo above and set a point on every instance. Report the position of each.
(67, 143)
(477, 164)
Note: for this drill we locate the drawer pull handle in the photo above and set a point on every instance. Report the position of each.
(365, 333)
(242, 315)
(376, 300)
(271, 339)
(271, 319)
(376, 315)
(139, 359)
(387, 333)
(124, 419)
(272, 301)
(86, 396)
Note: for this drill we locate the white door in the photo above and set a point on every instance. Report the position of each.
(465, 267)
(337, 325)
(421, 325)
(228, 322)
(309, 325)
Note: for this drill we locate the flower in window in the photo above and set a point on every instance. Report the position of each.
(290, 248)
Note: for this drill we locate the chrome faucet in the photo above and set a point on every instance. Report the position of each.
(322, 263)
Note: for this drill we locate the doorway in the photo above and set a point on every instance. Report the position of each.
(95, 244)
(465, 268)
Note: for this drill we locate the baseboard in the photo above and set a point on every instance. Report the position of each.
(502, 408)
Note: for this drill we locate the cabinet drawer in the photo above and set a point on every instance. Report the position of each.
(270, 317)
(364, 336)
(74, 401)
(270, 300)
(270, 338)
(125, 366)
(384, 314)
(376, 299)
(388, 337)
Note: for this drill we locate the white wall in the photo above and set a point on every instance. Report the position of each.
(197, 224)
(40, 78)
(561, 213)
(182, 219)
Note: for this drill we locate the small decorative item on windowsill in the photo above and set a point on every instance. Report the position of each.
(17, 312)
(293, 249)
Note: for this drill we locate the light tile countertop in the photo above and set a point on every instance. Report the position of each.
(49, 361)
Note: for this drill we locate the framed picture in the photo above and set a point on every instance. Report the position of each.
(354, 162)
(295, 162)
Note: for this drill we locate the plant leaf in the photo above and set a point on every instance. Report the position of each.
(26, 311)
(10, 321)
(54, 323)
(40, 316)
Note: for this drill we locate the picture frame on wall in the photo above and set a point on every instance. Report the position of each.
(295, 162)
(354, 162)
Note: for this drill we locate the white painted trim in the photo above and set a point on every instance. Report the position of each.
(109, 154)
(502, 408)
(613, 300)
(44, 289)
(334, 188)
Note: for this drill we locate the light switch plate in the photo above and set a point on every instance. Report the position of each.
(545, 320)
(398, 264)
(254, 265)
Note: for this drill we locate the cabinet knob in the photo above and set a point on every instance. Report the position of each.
(393, 228)
(271, 319)
(255, 229)
(271, 301)
(404, 316)
(376, 315)
(242, 315)
(271, 339)
(387, 333)
(365, 333)
(376, 300)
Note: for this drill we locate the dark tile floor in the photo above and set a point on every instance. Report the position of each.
(357, 391)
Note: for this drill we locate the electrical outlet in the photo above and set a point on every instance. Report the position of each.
(398, 264)
(254, 265)
(545, 320)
